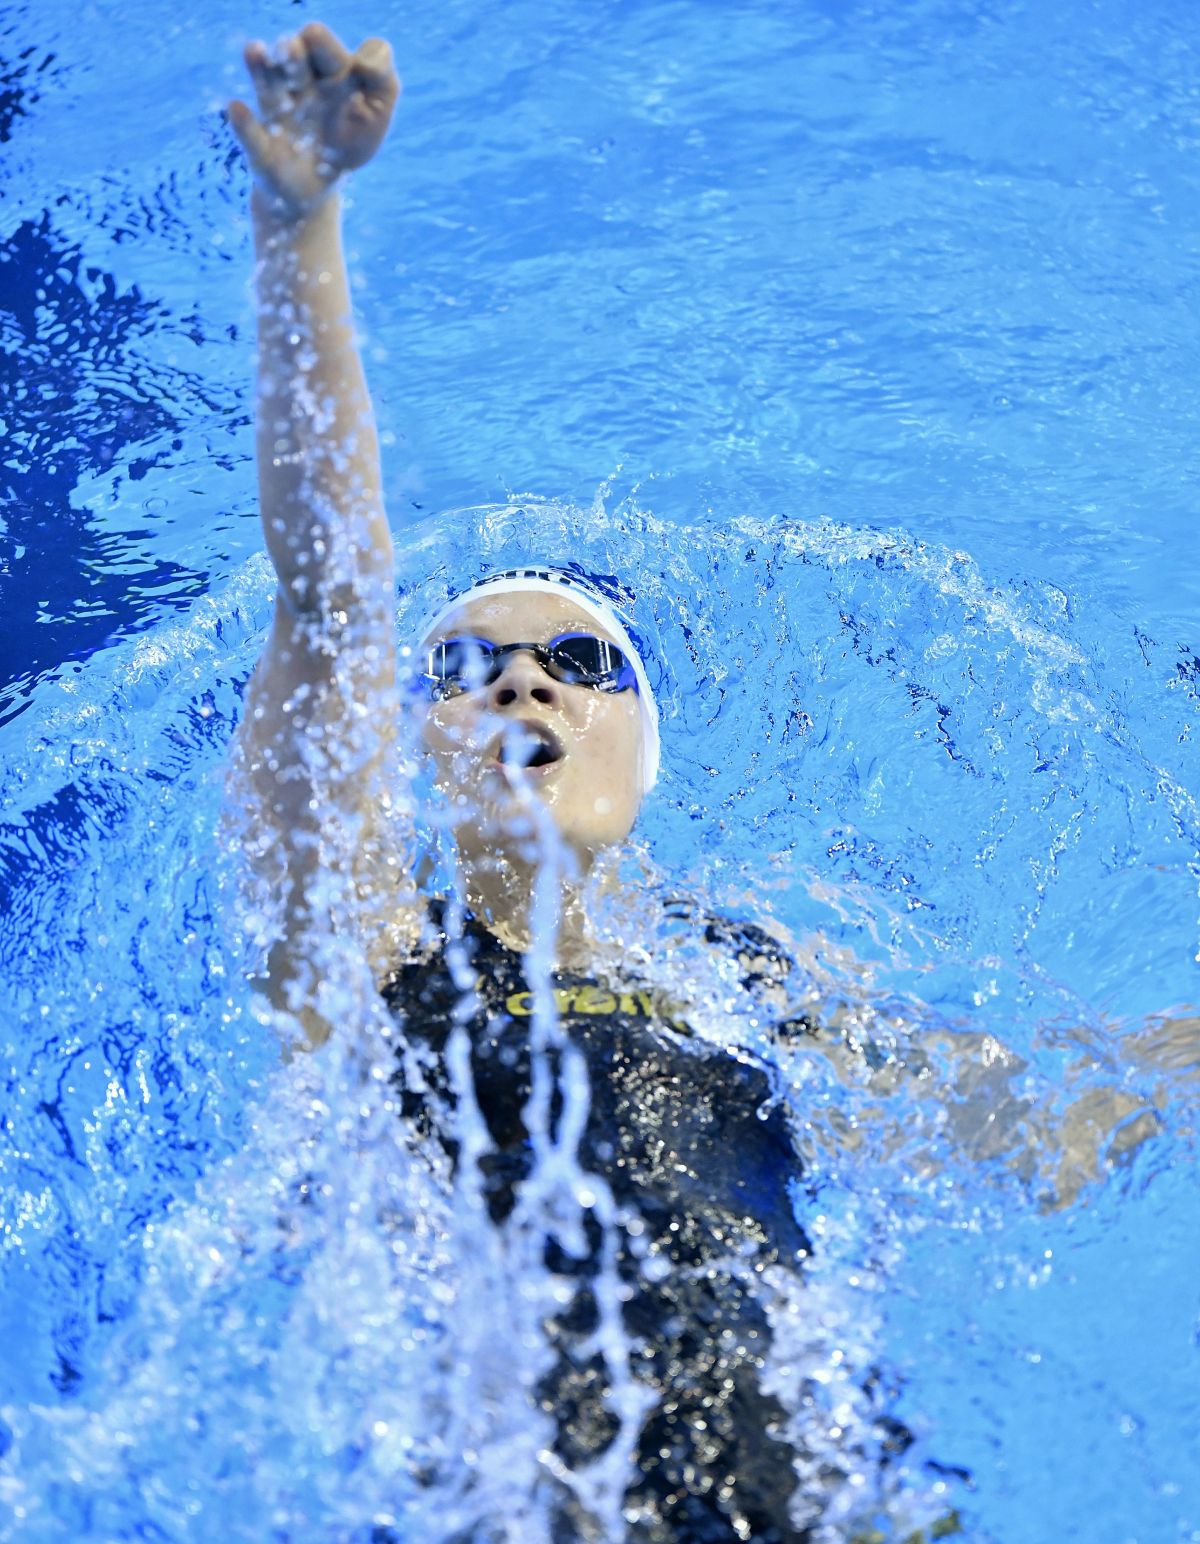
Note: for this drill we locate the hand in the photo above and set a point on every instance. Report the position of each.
(323, 111)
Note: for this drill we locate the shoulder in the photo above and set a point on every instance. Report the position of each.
(800, 1007)
(399, 939)
(417, 941)
(765, 964)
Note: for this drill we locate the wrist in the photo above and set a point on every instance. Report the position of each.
(276, 219)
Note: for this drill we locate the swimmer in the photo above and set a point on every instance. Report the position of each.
(536, 710)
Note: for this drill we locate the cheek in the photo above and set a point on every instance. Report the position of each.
(447, 738)
(617, 769)
(629, 775)
(449, 726)
(436, 733)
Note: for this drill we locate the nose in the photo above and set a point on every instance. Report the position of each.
(523, 680)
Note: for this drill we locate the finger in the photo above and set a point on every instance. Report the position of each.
(270, 84)
(250, 134)
(292, 58)
(258, 63)
(327, 55)
(373, 69)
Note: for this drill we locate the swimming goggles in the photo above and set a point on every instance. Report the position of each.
(580, 659)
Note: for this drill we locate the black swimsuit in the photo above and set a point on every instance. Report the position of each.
(696, 1151)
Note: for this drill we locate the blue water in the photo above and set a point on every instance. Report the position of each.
(860, 340)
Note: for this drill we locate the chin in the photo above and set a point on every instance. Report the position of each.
(517, 835)
(497, 821)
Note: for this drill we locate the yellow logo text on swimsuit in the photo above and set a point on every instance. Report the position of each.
(598, 1000)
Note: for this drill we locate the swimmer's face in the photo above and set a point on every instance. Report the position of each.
(585, 744)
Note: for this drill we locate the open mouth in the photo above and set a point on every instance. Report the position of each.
(528, 746)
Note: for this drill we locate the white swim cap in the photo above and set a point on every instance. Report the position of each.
(589, 597)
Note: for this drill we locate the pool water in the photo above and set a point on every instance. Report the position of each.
(859, 340)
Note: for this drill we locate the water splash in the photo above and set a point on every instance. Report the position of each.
(262, 1314)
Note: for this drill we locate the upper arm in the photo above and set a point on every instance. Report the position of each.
(319, 718)
(309, 787)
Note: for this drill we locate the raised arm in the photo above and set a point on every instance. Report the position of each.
(318, 713)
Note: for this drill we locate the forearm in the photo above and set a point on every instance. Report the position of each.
(318, 451)
(318, 711)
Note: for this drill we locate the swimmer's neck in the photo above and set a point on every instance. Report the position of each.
(521, 903)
